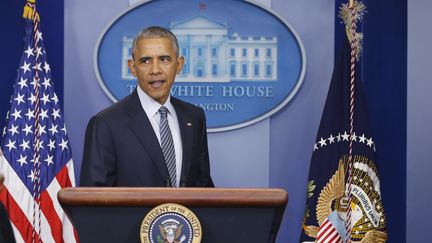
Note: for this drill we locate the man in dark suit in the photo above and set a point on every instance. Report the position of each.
(127, 145)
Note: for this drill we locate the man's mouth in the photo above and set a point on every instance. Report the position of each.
(156, 83)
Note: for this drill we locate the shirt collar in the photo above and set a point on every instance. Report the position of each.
(151, 106)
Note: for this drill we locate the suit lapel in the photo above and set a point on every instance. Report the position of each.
(143, 130)
(186, 132)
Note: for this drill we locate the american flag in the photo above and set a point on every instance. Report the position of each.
(328, 233)
(37, 159)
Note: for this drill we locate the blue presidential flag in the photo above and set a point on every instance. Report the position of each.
(328, 198)
(35, 156)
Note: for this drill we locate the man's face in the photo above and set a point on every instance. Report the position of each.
(155, 66)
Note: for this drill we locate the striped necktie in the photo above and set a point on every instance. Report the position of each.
(167, 145)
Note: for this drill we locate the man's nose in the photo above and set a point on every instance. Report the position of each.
(155, 68)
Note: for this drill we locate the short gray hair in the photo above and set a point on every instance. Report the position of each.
(155, 32)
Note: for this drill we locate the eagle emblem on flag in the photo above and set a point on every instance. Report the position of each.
(367, 209)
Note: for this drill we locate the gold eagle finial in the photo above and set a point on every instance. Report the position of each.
(352, 13)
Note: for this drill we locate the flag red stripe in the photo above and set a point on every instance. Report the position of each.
(17, 217)
(329, 232)
(63, 178)
(323, 229)
(53, 219)
(64, 181)
(335, 238)
(76, 235)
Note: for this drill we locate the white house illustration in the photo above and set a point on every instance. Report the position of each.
(211, 55)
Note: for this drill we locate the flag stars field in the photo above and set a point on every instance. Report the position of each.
(55, 99)
(322, 142)
(41, 144)
(11, 145)
(35, 83)
(354, 137)
(39, 35)
(369, 142)
(19, 99)
(26, 67)
(25, 145)
(46, 68)
(362, 138)
(46, 83)
(331, 139)
(28, 129)
(64, 129)
(32, 99)
(43, 114)
(30, 114)
(63, 144)
(345, 137)
(42, 129)
(49, 160)
(53, 129)
(22, 83)
(37, 67)
(51, 144)
(38, 52)
(45, 98)
(13, 129)
(56, 113)
(29, 52)
(22, 160)
(16, 114)
(32, 176)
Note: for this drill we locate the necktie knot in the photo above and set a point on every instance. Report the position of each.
(163, 111)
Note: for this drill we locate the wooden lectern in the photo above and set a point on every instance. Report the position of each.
(226, 215)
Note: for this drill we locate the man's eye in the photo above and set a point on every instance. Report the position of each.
(165, 59)
(145, 60)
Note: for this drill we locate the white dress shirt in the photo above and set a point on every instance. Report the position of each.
(151, 108)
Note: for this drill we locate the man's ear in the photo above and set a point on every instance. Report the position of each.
(180, 63)
(131, 66)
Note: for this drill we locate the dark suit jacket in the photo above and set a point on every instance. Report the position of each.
(121, 148)
(6, 233)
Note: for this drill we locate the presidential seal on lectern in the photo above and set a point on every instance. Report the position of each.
(170, 223)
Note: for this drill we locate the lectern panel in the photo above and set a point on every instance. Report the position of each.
(113, 215)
